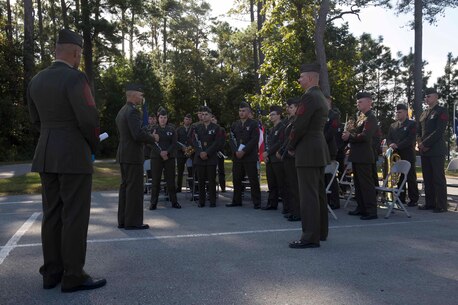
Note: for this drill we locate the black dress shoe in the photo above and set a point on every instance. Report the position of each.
(120, 226)
(287, 216)
(257, 206)
(49, 282)
(176, 205)
(213, 205)
(268, 207)
(355, 212)
(201, 205)
(294, 218)
(230, 205)
(297, 244)
(88, 284)
(439, 210)
(424, 207)
(412, 204)
(323, 239)
(368, 217)
(153, 206)
(141, 227)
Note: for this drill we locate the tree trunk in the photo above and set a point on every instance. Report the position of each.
(131, 36)
(164, 37)
(28, 45)
(320, 50)
(64, 13)
(87, 45)
(261, 19)
(255, 51)
(123, 32)
(9, 24)
(52, 13)
(418, 62)
(78, 12)
(40, 31)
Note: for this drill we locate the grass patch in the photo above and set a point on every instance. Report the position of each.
(106, 177)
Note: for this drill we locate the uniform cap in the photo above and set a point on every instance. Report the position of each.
(188, 115)
(430, 91)
(314, 67)
(363, 94)
(161, 110)
(244, 105)
(205, 109)
(67, 36)
(276, 108)
(293, 101)
(134, 87)
(401, 107)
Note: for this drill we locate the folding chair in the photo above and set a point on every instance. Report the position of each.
(146, 179)
(347, 180)
(453, 166)
(399, 167)
(331, 169)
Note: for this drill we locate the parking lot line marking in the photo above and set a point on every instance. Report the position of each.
(12, 243)
(16, 202)
(125, 239)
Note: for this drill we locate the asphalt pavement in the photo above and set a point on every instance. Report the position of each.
(220, 256)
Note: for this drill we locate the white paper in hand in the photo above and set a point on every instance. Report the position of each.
(103, 136)
(241, 147)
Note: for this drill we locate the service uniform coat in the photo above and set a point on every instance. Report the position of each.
(167, 142)
(363, 161)
(246, 133)
(130, 156)
(275, 171)
(431, 133)
(312, 155)
(61, 106)
(207, 139)
(403, 134)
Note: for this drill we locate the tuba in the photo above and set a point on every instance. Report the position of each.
(389, 159)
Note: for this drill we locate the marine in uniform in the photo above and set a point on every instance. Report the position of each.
(312, 155)
(401, 138)
(132, 138)
(244, 146)
(330, 131)
(61, 106)
(221, 157)
(362, 157)
(274, 167)
(431, 143)
(163, 155)
(183, 144)
(291, 206)
(206, 142)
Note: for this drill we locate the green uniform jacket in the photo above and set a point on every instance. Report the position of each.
(431, 131)
(167, 142)
(403, 135)
(207, 139)
(361, 146)
(307, 136)
(62, 107)
(248, 135)
(274, 140)
(131, 135)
